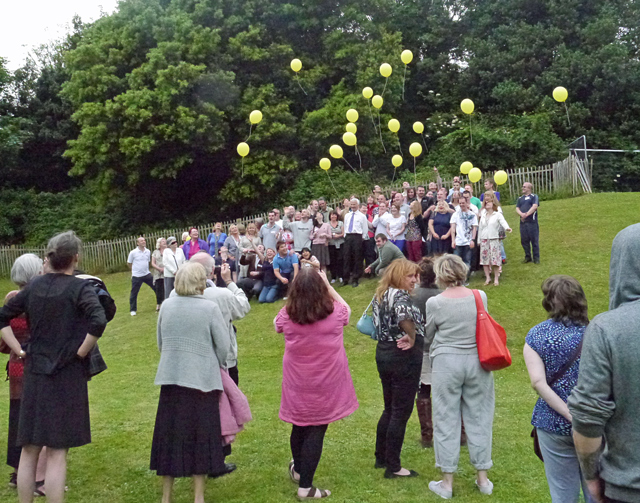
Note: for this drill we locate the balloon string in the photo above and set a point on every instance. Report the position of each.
(385, 86)
(399, 147)
(358, 152)
(334, 187)
(375, 129)
(471, 129)
(250, 127)
(567, 110)
(345, 160)
(415, 177)
(394, 175)
(380, 128)
(242, 167)
(424, 143)
(403, 80)
(298, 81)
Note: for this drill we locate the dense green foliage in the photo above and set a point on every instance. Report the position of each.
(114, 468)
(150, 102)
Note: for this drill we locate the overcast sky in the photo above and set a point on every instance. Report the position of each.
(29, 23)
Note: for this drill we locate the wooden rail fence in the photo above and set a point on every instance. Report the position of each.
(567, 176)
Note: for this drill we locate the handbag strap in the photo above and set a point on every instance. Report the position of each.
(563, 370)
(479, 303)
(367, 308)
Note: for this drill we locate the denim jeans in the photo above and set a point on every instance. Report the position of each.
(562, 468)
(465, 253)
(268, 294)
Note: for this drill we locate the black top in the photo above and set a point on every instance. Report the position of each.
(420, 296)
(525, 203)
(269, 277)
(60, 311)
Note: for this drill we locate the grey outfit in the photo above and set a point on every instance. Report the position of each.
(270, 235)
(301, 233)
(186, 327)
(606, 400)
(459, 384)
(561, 466)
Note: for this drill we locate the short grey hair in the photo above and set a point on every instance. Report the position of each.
(62, 249)
(191, 279)
(25, 268)
(356, 200)
(158, 243)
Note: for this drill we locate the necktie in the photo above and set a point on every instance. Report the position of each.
(353, 217)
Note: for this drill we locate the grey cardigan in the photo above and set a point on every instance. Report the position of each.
(193, 340)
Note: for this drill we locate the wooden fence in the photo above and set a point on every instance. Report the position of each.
(567, 176)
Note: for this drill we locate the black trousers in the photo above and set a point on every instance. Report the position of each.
(233, 374)
(369, 251)
(13, 450)
(529, 236)
(159, 288)
(336, 267)
(250, 286)
(352, 257)
(306, 448)
(400, 376)
(136, 284)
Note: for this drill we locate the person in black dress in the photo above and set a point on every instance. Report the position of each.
(66, 320)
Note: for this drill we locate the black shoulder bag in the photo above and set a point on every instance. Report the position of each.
(565, 368)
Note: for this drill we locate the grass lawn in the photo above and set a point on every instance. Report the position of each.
(575, 239)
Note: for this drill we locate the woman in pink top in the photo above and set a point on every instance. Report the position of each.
(316, 383)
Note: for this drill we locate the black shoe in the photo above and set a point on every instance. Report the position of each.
(13, 480)
(379, 464)
(355, 284)
(228, 468)
(388, 474)
(526, 260)
(536, 261)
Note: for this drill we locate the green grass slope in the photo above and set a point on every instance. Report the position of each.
(575, 239)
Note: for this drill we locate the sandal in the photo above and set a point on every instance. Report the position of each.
(38, 490)
(313, 494)
(292, 473)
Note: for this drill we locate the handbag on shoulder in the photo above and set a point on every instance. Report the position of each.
(365, 324)
(491, 339)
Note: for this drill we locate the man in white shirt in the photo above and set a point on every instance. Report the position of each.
(270, 232)
(278, 220)
(356, 227)
(232, 301)
(138, 263)
(464, 229)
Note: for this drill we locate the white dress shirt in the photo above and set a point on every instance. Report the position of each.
(360, 223)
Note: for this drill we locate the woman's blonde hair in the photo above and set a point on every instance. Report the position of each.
(450, 271)
(492, 197)
(252, 225)
(416, 208)
(158, 243)
(191, 279)
(394, 275)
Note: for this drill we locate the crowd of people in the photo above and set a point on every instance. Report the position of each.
(424, 317)
(353, 240)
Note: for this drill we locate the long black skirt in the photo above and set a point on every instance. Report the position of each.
(187, 438)
(55, 408)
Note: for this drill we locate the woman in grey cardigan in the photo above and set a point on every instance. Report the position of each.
(193, 343)
(461, 387)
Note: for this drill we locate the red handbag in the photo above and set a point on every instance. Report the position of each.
(491, 339)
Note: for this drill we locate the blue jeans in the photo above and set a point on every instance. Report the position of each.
(562, 468)
(268, 294)
(465, 253)
(399, 243)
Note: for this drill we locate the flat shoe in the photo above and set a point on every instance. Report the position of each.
(436, 487)
(292, 473)
(311, 495)
(388, 474)
(485, 489)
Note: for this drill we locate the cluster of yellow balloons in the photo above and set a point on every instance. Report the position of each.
(243, 147)
(475, 174)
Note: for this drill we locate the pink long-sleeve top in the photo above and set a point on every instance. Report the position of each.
(321, 235)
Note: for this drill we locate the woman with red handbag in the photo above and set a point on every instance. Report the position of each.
(461, 387)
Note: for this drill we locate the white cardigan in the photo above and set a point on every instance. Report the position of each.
(172, 262)
(488, 226)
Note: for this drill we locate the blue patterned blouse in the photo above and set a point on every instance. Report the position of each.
(555, 343)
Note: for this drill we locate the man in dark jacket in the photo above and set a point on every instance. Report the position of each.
(606, 401)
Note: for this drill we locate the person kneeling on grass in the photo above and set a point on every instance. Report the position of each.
(316, 383)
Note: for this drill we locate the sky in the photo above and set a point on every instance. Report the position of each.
(29, 23)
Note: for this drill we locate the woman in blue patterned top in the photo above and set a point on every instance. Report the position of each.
(400, 328)
(549, 348)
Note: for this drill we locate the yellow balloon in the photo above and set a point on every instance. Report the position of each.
(500, 177)
(377, 101)
(349, 139)
(406, 56)
(243, 149)
(394, 125)
(352, 115)
(418, 127)
(465, 167)
(325, 163)
(351, 128)
(415, 149)
(296, 65)
(385, 69)
(255, 117)
(560, 94)
(474, 175)
(396, 160)
(467, 106)
(336, 151)
(367, 92)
